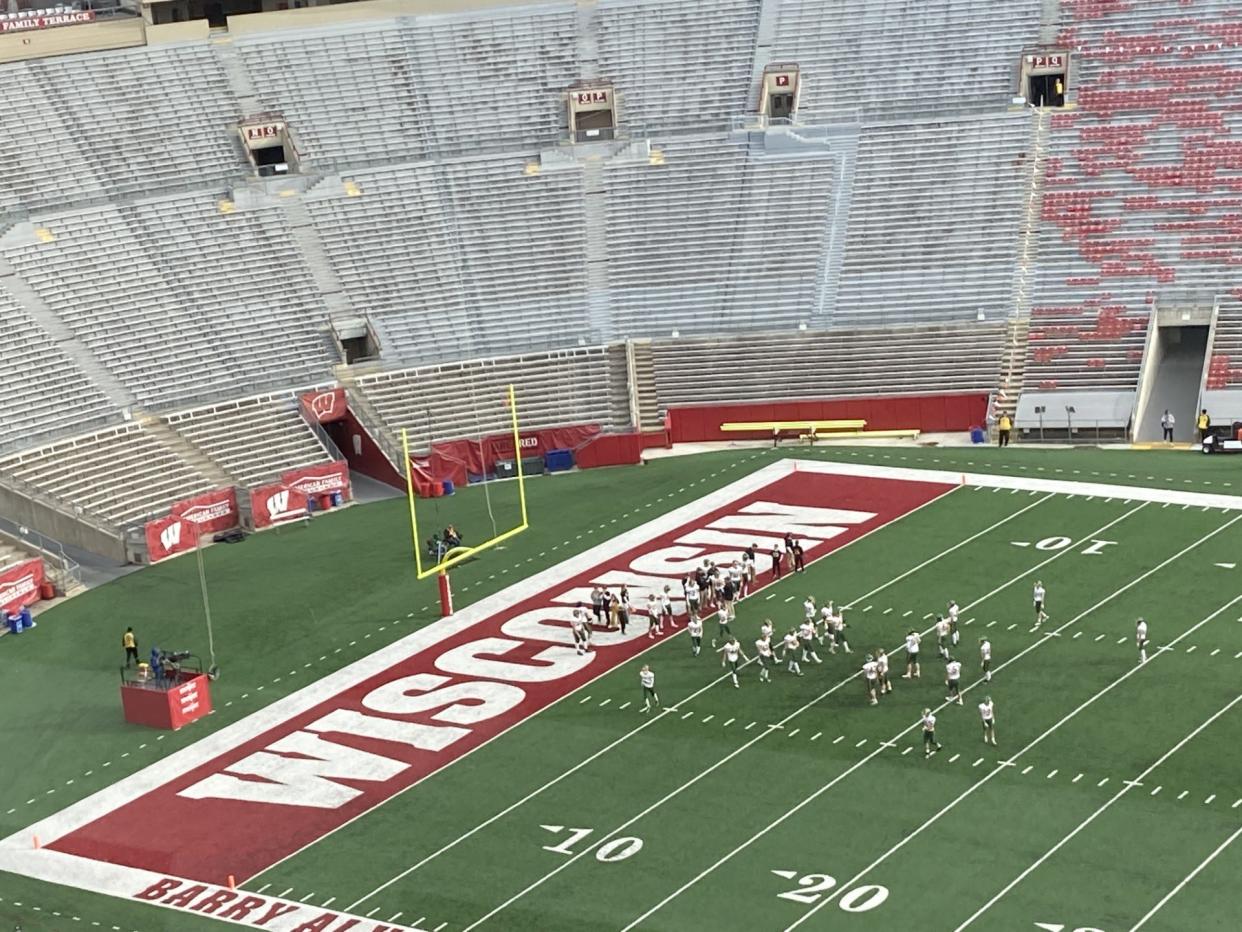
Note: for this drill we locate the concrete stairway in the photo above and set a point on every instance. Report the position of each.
(186, 450)
(1013, 365)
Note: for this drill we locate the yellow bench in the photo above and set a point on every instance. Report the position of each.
(852, 424)
(803, 429)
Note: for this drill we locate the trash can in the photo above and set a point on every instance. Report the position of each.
(505, 469)
(977, 435)
(559, 460)
(47, 590)
(26, 621)
(532, 465)
(325, 501)
(448, 487)
(337, 499)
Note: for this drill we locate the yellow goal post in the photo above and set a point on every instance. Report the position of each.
(461, 554)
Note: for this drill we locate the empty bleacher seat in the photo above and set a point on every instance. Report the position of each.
(254, 439)
(122, 476)
(466, 399)
(829, 364)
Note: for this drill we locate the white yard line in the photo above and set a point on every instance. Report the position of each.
(576, 767)
(1189, 877)
(1098, 812)
(807, 800)
(604, 839)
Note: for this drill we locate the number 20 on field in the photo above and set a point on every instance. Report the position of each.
(813, 886)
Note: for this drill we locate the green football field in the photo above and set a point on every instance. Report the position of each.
(1110, 802)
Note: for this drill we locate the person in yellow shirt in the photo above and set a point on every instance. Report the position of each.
(1204, 423)
(1003, 426)
(130, 643)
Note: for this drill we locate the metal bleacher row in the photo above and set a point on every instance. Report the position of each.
(838, 364)
(120, 475)
(440, 277)
(449, 401)
(49, 394)
(1140, 194)
(178, 300)
(254, 439)
(891, 58)
(706, 238)
(935, 220)
(116, 123)
(129, 473)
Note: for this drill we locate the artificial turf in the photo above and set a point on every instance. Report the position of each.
(283, 601)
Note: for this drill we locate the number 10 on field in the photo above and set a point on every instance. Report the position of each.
(611, 851)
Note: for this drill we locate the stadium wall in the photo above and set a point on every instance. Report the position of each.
(87, 37)
(338, 14)
(927, 413)
(64, 528)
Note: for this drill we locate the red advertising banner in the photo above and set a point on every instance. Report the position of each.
(324, 406)
(212, 511)
(287, 499)
(19, 585)
(319, 479)
(272, 504)
(168, 536)
(188, 519)
(456, 459)
(48, 21)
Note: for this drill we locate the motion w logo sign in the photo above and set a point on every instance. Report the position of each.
(278, 504)
(170, 537)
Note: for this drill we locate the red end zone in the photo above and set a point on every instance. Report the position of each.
(282, 789)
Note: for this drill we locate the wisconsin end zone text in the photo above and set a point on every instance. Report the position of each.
(441, 693)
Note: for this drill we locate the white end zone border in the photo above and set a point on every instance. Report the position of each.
(17, 854)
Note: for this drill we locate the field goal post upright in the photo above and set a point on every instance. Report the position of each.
(461, 554)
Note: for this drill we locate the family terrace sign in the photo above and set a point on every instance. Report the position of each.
(48, 21)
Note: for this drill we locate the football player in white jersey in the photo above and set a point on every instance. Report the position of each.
(871, 675)
(647, 678)
(764, 657)
(695, 627)
(985, 658)
(732, 651)
(953, 610)
(943, 631)
(666, 609)
(655, 621)
(838, 632)
(913, 640)
(806, 634)
(988, 714)
(930, 745)
(693, 594)
(1140, 639)
(766, 629)
(953, 680)
(881, 666)
(735, 577)
(1037, 596)
(791, 652)
(578, 621)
